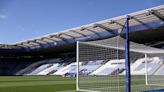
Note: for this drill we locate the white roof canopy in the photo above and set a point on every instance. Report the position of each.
(98, 29)
(119, 43)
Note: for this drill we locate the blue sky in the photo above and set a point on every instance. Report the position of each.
(26, 19)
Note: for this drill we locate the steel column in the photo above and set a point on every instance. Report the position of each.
(127, 58)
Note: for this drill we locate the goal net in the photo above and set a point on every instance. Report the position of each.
(94, 73)
(101, 66)
(154, 66)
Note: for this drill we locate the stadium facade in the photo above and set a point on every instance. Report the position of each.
(22, 58)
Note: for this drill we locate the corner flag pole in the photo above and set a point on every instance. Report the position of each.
(127, 59)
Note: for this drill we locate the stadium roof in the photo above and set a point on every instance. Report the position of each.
(119, 43)
(146, 19)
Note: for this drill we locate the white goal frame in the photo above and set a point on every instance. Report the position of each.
(145, 56)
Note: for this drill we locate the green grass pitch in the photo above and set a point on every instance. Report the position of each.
(36, 84)
(60, 84)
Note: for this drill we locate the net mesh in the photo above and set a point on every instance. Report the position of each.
(94, 73)
(155, 70)
(102, 67)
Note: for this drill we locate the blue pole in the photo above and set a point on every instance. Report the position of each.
(127, 60)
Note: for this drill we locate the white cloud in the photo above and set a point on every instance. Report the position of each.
(2, 16)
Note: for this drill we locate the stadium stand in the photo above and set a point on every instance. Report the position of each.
(33, 66)
(51, 49)
(138, 68)
(110, 67)
(66, 69)
(160, 70)
(91, 66)
(49, 69)
(39, 69)
(11, 67)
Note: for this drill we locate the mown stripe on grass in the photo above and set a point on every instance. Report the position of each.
(35, 83)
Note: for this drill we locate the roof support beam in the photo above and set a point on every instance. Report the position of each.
(112, 21)
(67, 35)
(21, 46)
(79, 33)
(105, 28)
(27, 44)
(157, 14)
(132, 17)
(61, 38)
(34, 43)
(42, 39)
(84, 28)
(42, 42)
(158, 43)
(37, 42)
(123, 26)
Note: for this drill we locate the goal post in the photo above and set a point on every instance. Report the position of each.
(101, 66)
(77, 63)
(93, 73)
